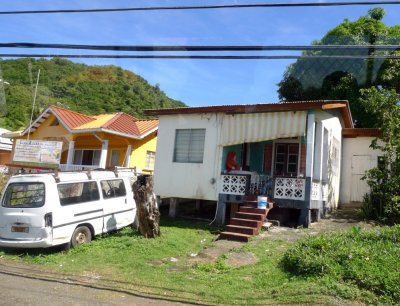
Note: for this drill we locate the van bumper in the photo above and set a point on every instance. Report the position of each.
(13, 243)
(45, 241)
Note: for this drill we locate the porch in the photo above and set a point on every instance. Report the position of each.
(294, 160)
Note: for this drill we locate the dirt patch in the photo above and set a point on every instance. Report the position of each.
(211, 254)
(338, 220)
(241, 259)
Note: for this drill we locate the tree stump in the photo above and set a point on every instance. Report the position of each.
(148, 213)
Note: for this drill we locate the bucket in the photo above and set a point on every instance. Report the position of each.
(262, 202)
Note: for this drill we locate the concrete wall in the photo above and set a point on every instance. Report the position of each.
(355, 147)
(187, 180)
(327, 162)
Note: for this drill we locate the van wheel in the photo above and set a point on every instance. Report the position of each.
(80, 236)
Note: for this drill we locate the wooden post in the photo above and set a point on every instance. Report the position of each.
(148, 213)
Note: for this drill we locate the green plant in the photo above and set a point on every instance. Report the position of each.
(383, 201)
(366, 259)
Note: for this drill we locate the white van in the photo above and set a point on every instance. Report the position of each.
(43, 210)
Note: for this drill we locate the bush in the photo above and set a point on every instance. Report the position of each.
(366, 258)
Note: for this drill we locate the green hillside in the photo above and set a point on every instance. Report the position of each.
(83, 88)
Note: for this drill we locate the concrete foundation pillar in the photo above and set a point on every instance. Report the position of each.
(173, 205)
(221, 212)
(305, 218)
(198, 204)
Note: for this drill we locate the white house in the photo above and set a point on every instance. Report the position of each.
(292, 152)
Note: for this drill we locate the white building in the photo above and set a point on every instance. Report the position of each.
(293, 152)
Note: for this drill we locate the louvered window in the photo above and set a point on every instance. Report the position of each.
(189, 145)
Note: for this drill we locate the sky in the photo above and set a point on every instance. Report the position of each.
(194, 82)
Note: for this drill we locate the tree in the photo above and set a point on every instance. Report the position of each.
(383, 201)
(148, 215)
(87, 89)
(310, 79)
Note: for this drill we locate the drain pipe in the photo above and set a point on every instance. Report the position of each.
(104, 149)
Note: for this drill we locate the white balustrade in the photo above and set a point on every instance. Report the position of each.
(290, 188)
(234, 184)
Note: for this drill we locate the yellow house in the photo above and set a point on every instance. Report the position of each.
(102, 141)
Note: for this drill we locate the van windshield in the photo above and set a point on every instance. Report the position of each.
(24, 195)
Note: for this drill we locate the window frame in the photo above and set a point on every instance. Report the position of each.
(76, 162)
(188, 155)
(7, 195)
(113, 195)
(94, 196)
(150, 160)
(286, 159)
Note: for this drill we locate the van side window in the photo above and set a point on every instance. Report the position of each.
(113, 188)
(74, 193)
(24, 195)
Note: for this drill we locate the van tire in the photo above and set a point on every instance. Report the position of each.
(80, 236)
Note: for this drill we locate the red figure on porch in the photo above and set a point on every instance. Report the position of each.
(231, 163)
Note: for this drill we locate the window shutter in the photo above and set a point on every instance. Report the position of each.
(189, 145)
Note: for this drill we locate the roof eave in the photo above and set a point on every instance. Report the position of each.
(343, 105)
(82, 131)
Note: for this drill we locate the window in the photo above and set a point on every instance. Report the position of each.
(113, 188)
(189, 145)
(286, 159)
(75, 193)
(87, 157)
(24, 195)
(150, 159)
(114, 159)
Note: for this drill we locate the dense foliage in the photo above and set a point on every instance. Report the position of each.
(80, 87)
(342, 78)
(383, 201)
(368, 259)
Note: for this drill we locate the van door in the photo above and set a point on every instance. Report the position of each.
(79, 203)
(118, 204)
(23, 211)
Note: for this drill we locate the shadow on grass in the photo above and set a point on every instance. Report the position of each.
(190, 224)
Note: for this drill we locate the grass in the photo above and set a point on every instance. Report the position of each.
(145, 265)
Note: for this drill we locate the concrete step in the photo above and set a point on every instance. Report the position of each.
(255, 204)
(253, 210)
(246, 222)
(250, 216)
(241, 229)
(234, 236)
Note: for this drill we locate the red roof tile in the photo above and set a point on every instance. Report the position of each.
(70, 118)
(127, 124)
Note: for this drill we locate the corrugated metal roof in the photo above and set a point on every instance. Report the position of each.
(343, 105)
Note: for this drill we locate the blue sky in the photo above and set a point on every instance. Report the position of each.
(195, 82)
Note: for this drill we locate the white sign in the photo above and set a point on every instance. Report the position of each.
(37, 153)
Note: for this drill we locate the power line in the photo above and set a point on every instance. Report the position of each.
(202, 7)
(201, 57)
(142, 48)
